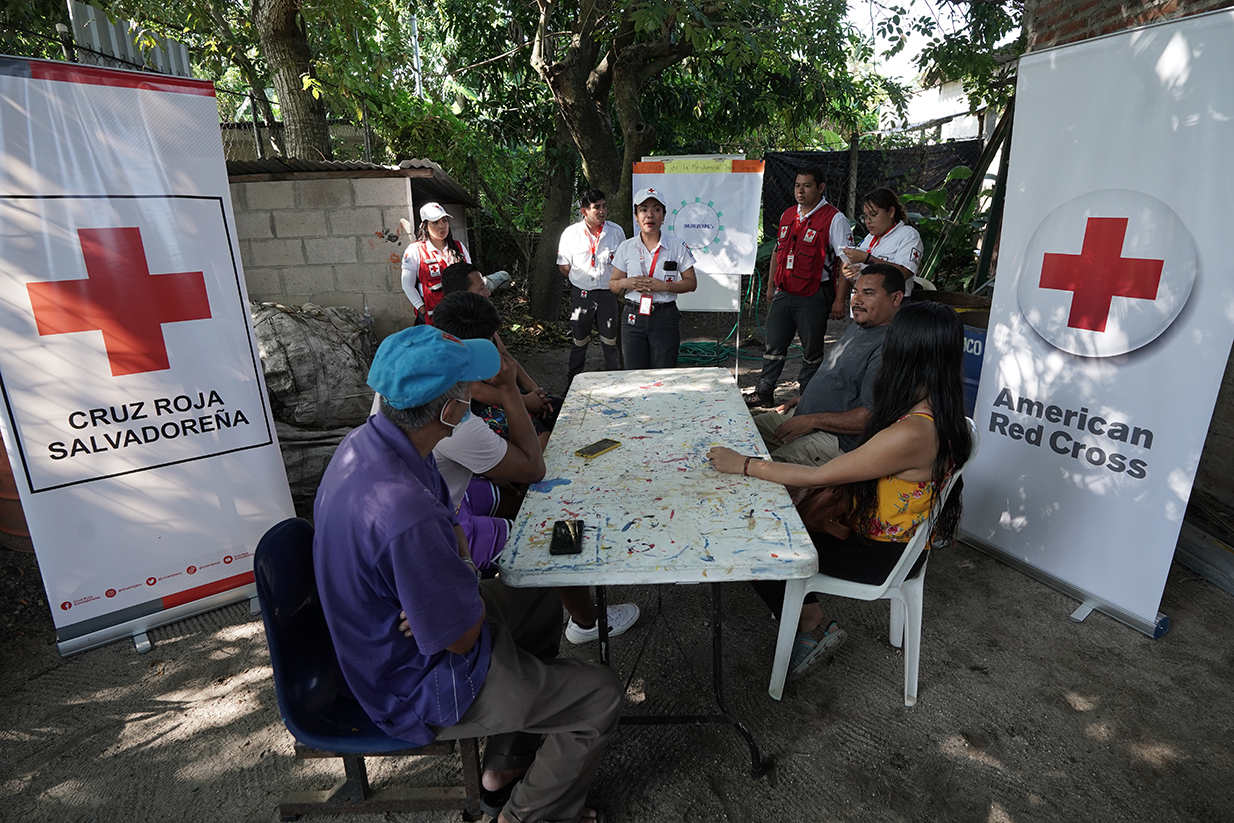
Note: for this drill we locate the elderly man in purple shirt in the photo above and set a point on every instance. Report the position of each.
(467, 659)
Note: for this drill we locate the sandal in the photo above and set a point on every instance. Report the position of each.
(808, 649)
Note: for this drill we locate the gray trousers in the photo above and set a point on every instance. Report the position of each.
(527, 694)
(805, 317)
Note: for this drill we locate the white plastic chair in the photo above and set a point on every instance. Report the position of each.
(905, 594)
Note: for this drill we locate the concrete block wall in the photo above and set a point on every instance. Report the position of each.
(324, 242)
(1056, 22)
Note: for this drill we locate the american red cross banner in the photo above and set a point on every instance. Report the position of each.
(135, 414)
(1113, 311)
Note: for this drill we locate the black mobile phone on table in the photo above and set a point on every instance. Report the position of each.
(567, 537)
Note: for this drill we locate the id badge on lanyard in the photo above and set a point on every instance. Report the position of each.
(644, 303)
(592, 244)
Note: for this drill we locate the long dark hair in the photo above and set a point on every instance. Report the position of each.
(452, 245)
(923, 358)
(887, 200)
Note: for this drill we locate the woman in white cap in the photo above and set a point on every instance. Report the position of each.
(651, 269)
(427, 258)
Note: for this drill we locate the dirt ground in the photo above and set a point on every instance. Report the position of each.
(1023, 715)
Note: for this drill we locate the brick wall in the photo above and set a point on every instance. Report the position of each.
(1055, 22)
(323, 242)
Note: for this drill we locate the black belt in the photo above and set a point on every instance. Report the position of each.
(655, 307)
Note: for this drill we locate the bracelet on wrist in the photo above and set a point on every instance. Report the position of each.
(745, 469)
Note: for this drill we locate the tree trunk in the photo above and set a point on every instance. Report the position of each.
(581, 81)
(580, 90)
(283, 40)
(235, 53)
(546, 279)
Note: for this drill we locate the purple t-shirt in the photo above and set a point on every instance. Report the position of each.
(385, 543)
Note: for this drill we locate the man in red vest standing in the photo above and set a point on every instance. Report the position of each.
(804, 282)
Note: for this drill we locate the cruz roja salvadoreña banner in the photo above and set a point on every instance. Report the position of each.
(136, 416)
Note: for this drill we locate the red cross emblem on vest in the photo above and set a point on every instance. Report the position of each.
(1100, 273)
(122, 299)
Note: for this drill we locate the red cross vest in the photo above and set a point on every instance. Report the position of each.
(432, 264)
(806, 246)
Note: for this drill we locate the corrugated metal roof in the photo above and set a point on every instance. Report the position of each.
(428, 180)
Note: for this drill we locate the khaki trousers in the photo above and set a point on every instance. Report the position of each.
(527, 694)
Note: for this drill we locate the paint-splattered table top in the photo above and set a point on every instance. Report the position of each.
(654, 510)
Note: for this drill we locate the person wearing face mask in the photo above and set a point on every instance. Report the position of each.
(425, 260)
(891, 239)
(485, 471)
(429, 652)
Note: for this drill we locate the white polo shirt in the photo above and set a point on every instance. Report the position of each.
(635, 260)
(590, 258)
(900, 245)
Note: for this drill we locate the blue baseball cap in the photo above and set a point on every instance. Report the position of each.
(421, 363)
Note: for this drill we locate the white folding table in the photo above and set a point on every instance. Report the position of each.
(654, 510)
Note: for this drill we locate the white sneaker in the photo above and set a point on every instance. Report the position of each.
(620, 618)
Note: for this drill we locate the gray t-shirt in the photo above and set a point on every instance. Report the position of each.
(846, 378)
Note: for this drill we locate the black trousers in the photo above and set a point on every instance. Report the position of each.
(856, 558)
(651, 341)
(598, 308)
(805, 317)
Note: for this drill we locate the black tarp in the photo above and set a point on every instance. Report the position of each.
(923, 167)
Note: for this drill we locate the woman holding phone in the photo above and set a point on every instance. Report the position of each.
(891, 238)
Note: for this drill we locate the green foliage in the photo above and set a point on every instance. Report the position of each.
(968, 42)
(957, 267)
(28, 28)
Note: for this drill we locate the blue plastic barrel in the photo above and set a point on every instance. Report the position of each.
(974, 353)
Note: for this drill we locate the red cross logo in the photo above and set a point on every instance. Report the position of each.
(121, 299)
(1100, 273)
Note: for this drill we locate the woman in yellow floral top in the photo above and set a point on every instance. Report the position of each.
(915, 436)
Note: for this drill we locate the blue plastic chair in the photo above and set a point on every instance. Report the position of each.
(324, 722)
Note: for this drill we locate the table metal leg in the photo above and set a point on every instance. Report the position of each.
(717, 680)
(602, 622)
(758, 766)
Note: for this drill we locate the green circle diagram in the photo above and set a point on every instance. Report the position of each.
(697, 224)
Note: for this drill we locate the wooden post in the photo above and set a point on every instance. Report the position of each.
(853, 152)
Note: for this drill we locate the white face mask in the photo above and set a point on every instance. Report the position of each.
(442, 417)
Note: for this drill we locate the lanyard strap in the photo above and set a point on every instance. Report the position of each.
(881, 236)
(593, 241)
(641, 259)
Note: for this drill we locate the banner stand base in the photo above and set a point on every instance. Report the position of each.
(1090, 602)
(138, 627)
